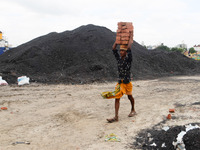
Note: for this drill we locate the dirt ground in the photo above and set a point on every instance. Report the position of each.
(70, 117)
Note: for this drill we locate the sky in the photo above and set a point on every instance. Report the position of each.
(170, 22)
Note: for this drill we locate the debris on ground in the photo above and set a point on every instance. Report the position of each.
(187, 136)
(3, 82)
(172, 110)
(4, 108)
(26, 142)
(169, 116)
(23, 80)
(112, 138)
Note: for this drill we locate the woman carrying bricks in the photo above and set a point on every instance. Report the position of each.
(124, 38)
(124, 83)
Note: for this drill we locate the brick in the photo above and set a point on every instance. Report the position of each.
(118, 38)
(4, 108)
(124, 42)
(169, 116)
(125, 23)
(123, 46)
(171, 110)
(131, 32)
(125, 38)
(119, 30)
(121, 23)
(129, 24)
(118, 34)
(119, 27)
(118, 42)
(130, 28)
(125, 31)
(125, 35)
(124, 27)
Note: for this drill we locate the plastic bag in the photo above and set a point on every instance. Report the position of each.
(3, 82)
(23, 80)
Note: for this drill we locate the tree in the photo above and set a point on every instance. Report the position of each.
(163, 47)
(192, 50)
(176, 49)
(144, 46)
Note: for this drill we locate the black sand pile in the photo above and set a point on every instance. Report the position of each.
(84, 55)
(154, 139)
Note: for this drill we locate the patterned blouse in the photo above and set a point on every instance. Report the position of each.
(124, 66)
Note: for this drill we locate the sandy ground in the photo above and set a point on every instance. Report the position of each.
(73, 117)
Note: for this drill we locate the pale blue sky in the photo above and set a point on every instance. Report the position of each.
(155, 21)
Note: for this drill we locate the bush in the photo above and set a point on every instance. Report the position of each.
(163, 47)
(191, 50)
(175, 49)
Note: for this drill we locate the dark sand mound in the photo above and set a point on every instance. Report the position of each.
(84, 55)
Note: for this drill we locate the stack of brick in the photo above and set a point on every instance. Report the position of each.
(124, 33)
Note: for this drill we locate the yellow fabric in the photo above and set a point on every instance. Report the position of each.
(120, 90)
(109, 95)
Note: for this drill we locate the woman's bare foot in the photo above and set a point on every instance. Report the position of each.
(115, 119)
(133, 113)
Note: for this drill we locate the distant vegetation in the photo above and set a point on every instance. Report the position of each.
(175, 49)
(163, 47)
(191, 50)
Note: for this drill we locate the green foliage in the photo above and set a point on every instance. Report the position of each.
(145, 46)
(191, 50)
(175, 49)
(163, 47)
